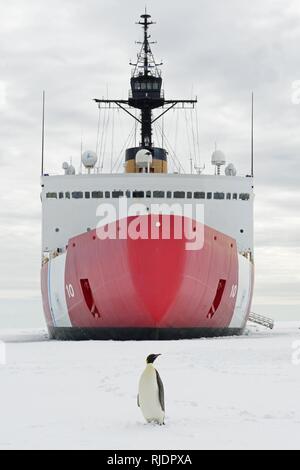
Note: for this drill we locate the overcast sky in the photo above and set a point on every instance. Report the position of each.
(217, 50)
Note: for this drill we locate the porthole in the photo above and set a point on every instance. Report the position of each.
(138, 194)
(159, 194)
(97, 194)
(77, 194)
(179, 194)
(199, 195)
(117, 194)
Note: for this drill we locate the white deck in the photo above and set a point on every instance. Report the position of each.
(65, 218)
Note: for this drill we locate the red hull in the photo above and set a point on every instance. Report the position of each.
(149, 284)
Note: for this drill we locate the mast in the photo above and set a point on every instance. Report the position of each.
(146, 47)
(146, 92)
(43, 135)
(252, 135)
(146, 83)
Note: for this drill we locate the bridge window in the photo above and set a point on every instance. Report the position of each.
(61, 195)
(169, 194)
(158, 194)
(77, 195)
(219, 196)
(51, 195)
(137, 86)
(128, 194)
(209, 195)
(148, 193)
(244, 196)
(155, 86)
(143, 86)
(189, 195)
(199, 195)
(234, 196)
(68, 196)
(179, 194)
(117, 194)
(138, 194)
(228, 196)
(87, 195)
(97, 194)
(107, 194)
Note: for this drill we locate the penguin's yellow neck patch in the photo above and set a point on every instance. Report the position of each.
(151, 366)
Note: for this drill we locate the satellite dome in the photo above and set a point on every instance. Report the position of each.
(230, 170)
(89, 159)
(143, 158)
(218, 158)
(65, 166)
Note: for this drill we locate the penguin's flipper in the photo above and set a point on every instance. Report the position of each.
(138, 401)
(161, 392)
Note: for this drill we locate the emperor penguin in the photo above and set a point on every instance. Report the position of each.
(151, 398)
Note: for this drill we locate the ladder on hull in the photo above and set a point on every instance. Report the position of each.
(261, 320)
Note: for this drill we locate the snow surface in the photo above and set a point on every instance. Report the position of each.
(222, 393)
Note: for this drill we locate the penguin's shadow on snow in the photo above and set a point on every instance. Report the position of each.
(151, 425)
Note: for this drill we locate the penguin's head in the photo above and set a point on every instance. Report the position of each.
(151, 358)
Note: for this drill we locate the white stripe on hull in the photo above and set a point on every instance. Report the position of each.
(244, 293)
(57, 295)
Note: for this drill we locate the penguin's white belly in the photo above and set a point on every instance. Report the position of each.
(149, 397)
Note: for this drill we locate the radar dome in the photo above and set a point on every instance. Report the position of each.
(230, 170)
(89, 159)
(218, 158)
(143, 158)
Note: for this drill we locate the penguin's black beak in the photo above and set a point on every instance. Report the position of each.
(156, 356)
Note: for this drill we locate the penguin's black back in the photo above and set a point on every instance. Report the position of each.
(161, 392)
